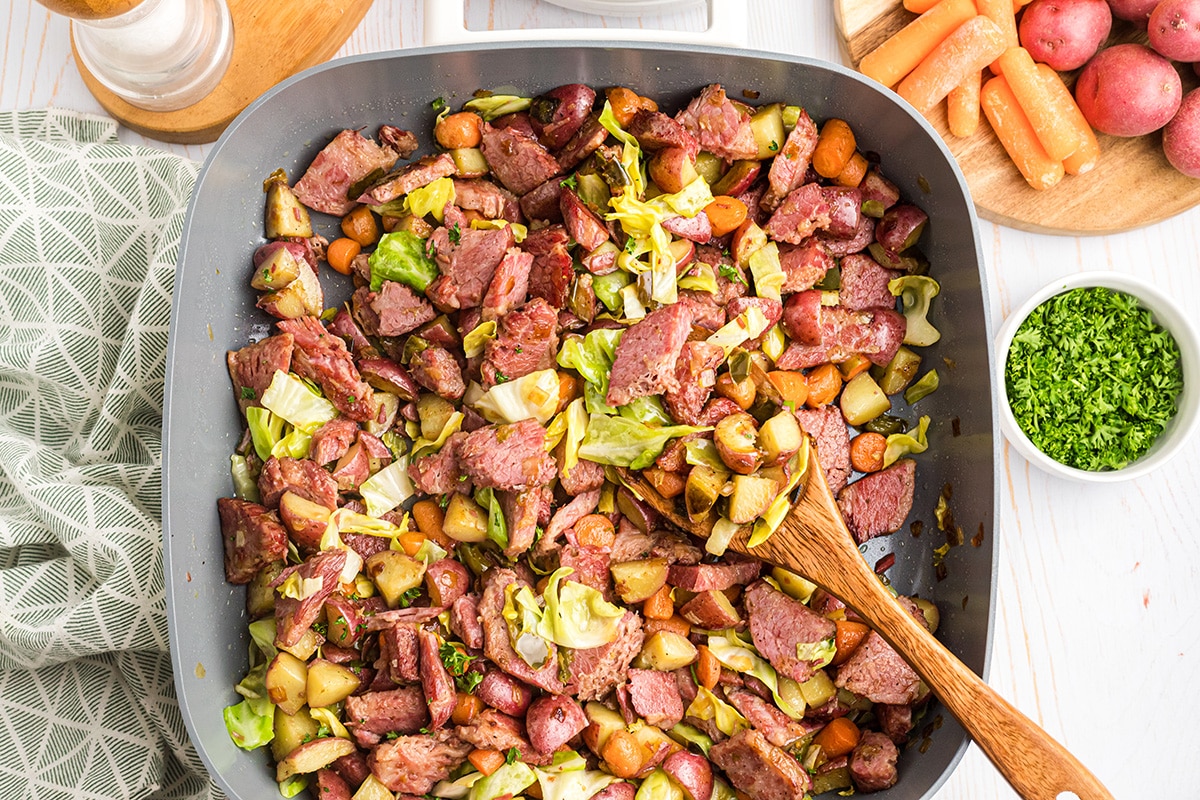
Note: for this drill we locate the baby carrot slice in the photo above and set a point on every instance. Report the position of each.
(1017, 135)
(1088, 154)
(1044, 112)
(962, 106)
(1001, 12)
(897, 57)
(971, 47)
(919, 6)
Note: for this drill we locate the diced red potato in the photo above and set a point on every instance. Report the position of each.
(692, 772)
(900, 227)
(672, 169)
(554, 720)
(802, 317)
(710, 610)
(738, 178)
(446, 580)
(505, 693)
(557, 115)
(845, 210)
(857, 241)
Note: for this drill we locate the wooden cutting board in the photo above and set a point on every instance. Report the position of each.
(1133, 185)
(272, 40)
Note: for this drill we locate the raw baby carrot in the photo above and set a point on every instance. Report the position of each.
(1044, 112)
(1016, 134)
(962, 106)
(1088, 154)
(1001, 13)
(896, 57)
(919, 6)
(970, 48)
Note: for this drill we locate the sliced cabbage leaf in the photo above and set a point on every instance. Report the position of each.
(293, 785)
(902, 444)
(423, 447)
(519, 231)
(294, 444)
(577, 616)
(927, 385)
(631, 151)
(474, 341)
(701, 277)
(497, 105)
(747, 325)
(400, 256)
(658, 785)
(723, 531)
(915, 293)
(821, 653)
(767, 271)
(456, 789)
(577, 422)
(623, 442)
(708, 706)
(569, 778)
(430, 198)
(524, 616)
(245, 487)
(329, 719)
(777, 512)
(266, 429)
(690, 200)
(532, 396)
(387, 488)
(251, 723)
(647, 410)
(632, 306)
(592, 357)
(686, 734)
(703, 453)
(293, 400)
(735, 654)
(497, 529)
(608, 289)
(774, 343)
(508, 781)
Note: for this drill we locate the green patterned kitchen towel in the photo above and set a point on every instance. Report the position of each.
(89, 230)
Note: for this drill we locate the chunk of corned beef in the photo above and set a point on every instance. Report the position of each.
(696, 375)
(521, 513)
(771, 308)
(718, 577)
(464, 621)
(896, 721)
(828, 428)
(876, 333)
(583, 477)
(347, 159)
(542, 202)
(300, 476)
(399, 309)
(731, 278)
(655, 697)
(526, 341)
(253, 367)
(409, 178)
(496, 643)
(655, 130)
(719, 125)
(717, 409)
(790, 165)
(490, 200)
(696, 229)
(414, 764)
(857, 241)
(752, 200)
(879, 503)
(804, 264)
(438, 371)
(495, 730)
(584, 225)
(253, 537)
(865, 284)
(332, 440)
(399, 653)
(760, 769)
(436, 683)
(511, 456)
(593, 672)
(632, 545)
(564, 518)
(403, 142)
(509, 285)
(504, 693)
(517, 159)
(873, 763)
(467, 267)
(552, 721)
(589, 565)
(877, 672)
(438, 473)
(586, 141)
(778, 624)
(845, 210)
(353, 768)
(646, 356)
(322, 358)
(778, 728)
(331, 786)
(364, 544)
(320, 577)
(803, 212)
(551, 273)
(706, 310)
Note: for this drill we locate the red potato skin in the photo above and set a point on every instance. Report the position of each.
(1181, 136)
(1128, 90)
(1064, 34)
(1137, 11)
(802, 316)
(1175, 29)
(692, 772)
(894, 228)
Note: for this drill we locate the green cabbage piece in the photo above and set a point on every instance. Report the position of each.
(251, 723)
(497, 105)
(430, 199)
(577, 616)
(623, 442)
(532, 396)
(429, 552)
(245, 487)
(631, 151)
(510, 780)
(767, 271)
(647, 410)
(295, 401)
(524, 616)
(262, 637)
(915, 293)
(592, 356)
(400, 256)
(266, 430)
(708, 706)
(608, 289)
(740, 657)
(658, 785)
(474, 341)
(423, 447)
(821, 653)
(747, 325)
(927, 385)
(577, 421)
(294, 445)
(387, 488)
(294, 785)
(568, 778)
(902, 444)
(686, 734)
(497, 528)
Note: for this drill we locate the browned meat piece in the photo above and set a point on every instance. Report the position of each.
(632, 545)
(558, 114)
(685, 682)
(517, 159)
(566, 517)
(697, 229)
(300, 476)
(581, 222)
(526, 341)
(778, 728)
(655, 697)
(436, 682)
(551, 274)
(413, 764)
(718, 409)
(845, 210)
(399, 309)
(403, 142)
(616, 791)
(865, 284)
(790, 165)
(804, 264)
(552, 721)
(803, 212)
(877, 334)
(372, 715)
(347, 159)
(253, 538)
(438, 371)
(494, 730)
(504, 693)
(542, 202)
(332, 440)
(490, 200)
(879, 503)
(878, 673)
(344, 325)
(721, 127)
(873, 763)
(521, 512)
(509, 284)
(399, 653)
(760, 769)
(594, 672)
(464, 621)
(496, 644)
(646, 355)
(829, 430)
(413, 176)
(440, 472)
(583, 477)
(655, 130)
(353, 768)
(322, 358)
(859, 240)
(696, 375)
(718, 577)
(706, 610)
(778, 624)
(590, 565)
(467, 267)
(253, 367)
(364, 544)
(330, 786)
(771, 308)
(511, 457)
(896, 721)
(586, 141)
(320, 577)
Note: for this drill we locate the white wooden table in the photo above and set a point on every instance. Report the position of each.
(1097, 634)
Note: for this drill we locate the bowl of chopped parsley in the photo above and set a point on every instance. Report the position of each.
(1101, 378)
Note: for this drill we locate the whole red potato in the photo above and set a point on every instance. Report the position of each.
(1128, 90)
(1181, 137)
(1064, 34)
(1175, 29)
(1133, 10)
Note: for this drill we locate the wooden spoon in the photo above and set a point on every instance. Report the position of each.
(814, 542)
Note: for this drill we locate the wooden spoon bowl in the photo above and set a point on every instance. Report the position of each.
(814, 542)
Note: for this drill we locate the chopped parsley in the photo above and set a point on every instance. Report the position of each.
(408, 597)
(512, 755)
(729, 272)
(630, 245)
(391, 735)
(570, 183)
(774, 146)
(438, 103)
(501, 378)
(323, 732)
(248, 393)
(1091, 379)
(468, 682)
(455, 234)
(454, 660)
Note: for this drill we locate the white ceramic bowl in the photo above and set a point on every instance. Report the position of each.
(625, 8)
(1166, 314)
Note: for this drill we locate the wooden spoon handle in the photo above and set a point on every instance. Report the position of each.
(1037, 766)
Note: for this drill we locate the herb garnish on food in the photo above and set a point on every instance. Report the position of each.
(1092, 380)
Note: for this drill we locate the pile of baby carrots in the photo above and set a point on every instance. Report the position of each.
(943, 55)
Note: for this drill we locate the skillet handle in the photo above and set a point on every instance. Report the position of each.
(727, 25)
